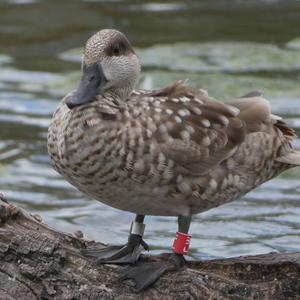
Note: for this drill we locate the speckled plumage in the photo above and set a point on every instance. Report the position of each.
(174, 151)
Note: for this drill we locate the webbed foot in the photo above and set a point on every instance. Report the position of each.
(145, 274)
(127, 254)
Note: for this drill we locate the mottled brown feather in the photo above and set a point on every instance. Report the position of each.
(171, 151)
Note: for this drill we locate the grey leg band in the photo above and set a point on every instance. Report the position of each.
(137, 228)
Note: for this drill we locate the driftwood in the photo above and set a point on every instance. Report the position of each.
(37, 262)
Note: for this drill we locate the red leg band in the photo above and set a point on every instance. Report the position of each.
(181, 243)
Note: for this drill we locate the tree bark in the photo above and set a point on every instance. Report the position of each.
(37, 262)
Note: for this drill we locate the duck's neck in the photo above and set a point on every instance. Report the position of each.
(119, 95)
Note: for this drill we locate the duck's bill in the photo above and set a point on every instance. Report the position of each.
(91, 84)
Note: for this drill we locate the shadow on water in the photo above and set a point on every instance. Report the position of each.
(227, 47)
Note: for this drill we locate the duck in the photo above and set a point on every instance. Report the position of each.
(171, 151)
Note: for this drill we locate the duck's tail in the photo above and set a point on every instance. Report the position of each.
(256, 110)
(292, 158)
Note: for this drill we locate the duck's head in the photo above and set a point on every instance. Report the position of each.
(109, 65)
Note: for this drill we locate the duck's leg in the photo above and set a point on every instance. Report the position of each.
(144, 274)
(126, 254)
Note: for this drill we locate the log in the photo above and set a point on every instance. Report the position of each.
(37, 262)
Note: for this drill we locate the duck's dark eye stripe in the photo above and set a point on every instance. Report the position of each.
(118, 48)
(115, 50)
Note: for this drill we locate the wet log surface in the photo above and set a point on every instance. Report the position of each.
(37, 262)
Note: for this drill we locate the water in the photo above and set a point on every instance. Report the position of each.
(227, 47)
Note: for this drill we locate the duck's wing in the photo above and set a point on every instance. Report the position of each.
(198, 132)
(194, 130)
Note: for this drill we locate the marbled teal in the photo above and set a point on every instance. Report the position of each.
(173, 151)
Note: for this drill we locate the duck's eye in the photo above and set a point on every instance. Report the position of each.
(116, 51)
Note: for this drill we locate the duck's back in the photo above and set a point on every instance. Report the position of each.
(170, 151)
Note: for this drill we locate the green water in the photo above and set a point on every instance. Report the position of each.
(227, 47)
